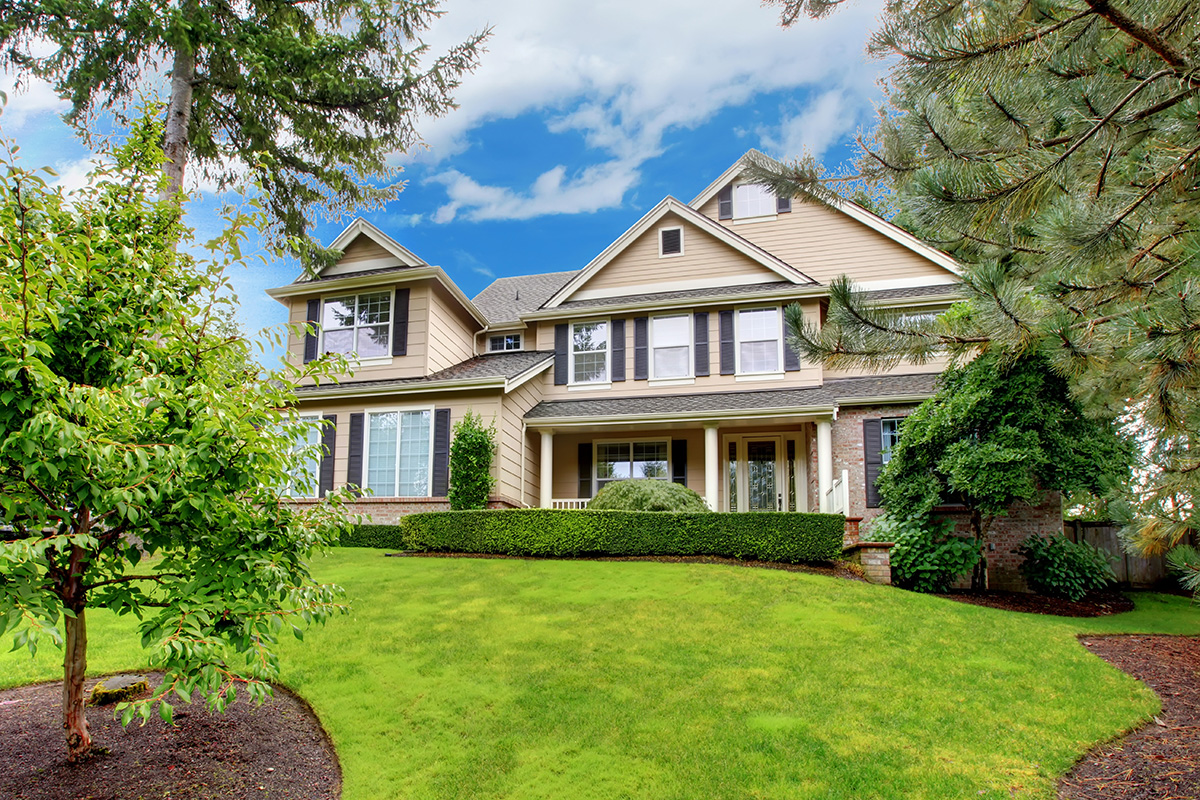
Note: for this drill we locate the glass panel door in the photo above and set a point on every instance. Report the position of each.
(762, 467)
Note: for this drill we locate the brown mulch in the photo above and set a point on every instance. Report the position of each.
(277, 750)
(1160, 760)
(1096, 604)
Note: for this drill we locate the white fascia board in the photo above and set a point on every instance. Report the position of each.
(801, 292)
(336, 390)
(790, 412)
(353, 281)
(670, 204)
(463, 300)
(361, 227)
(883, 400)
(517, 380)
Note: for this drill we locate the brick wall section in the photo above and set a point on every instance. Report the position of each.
(875, 559)
(848, 451)
(388, 510)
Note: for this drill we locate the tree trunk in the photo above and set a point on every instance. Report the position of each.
(79, 741)
(979, 577)
(179, 117)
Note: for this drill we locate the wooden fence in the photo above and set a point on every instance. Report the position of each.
(1131, 570)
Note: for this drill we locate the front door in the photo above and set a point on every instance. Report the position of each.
(763, 478)
(764, 473)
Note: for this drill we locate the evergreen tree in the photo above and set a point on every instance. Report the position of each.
(310, 98)
(1052, 147)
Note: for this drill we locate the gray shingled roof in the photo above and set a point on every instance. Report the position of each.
(506, 299)
(494, 365)
(830, 394)
(944, 289)
(683, 294)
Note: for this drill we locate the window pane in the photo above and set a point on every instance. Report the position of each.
(373, 341)
(590, 367)
(304, 475)
(590, 337)
(374, 308)
(752, 200)
(339, 341)
(414, 454)
(339, 313)
(762, 323)
(612, 461)
(890, 430)
(671, 331)
(672, 362)
(760, 357)
(381, 453)
(650, 460)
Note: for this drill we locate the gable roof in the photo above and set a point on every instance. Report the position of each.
(716, 230)
(505, 300)
(360, 227)
(847, 207)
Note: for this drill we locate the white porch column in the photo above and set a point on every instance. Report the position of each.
(712, 465)
(824, 463)
(546, 484)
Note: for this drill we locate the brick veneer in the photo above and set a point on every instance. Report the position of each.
(388, 510)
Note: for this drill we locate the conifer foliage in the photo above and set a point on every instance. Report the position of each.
(1053, 147)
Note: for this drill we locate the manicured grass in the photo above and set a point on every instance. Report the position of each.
(563, 679)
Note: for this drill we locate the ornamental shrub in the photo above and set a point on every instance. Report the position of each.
(471, 454)
(785, 537)
(1056, 566)
(926, 556)
(648, 495)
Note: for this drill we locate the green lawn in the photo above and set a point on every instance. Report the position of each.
(457, 678)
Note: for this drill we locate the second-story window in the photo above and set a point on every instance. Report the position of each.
(357, 324)
(589, 352)
(758, 333)
(506, 341)
(670, 338)
(752, 200)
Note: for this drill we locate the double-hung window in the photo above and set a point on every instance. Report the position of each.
(306, 444)
(889, 436)
(358, 324)
(589, 352)
(398, 453)
(671, 342)
(752, 200)
(618, 461)
(759, 335)
(503, 342)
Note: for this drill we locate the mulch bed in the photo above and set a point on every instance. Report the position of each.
(277, 750)
(1096, 604)
(1160, 760)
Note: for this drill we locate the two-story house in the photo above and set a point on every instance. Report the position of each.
(663, 358)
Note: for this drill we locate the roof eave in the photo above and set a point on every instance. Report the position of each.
(800, 292)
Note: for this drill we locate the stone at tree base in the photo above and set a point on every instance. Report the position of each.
(118, 688)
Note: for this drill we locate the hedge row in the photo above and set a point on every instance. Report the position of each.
(546, 532)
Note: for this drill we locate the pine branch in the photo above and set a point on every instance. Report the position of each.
(1142, 34)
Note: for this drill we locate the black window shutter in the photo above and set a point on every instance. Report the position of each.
(585, 469)
(679, 461)
(872, 458)
(783, 205)
(400, 323)
(310, 337)
(728, 359)
(725, 203)
(641, 352)
(791, 359)
(618, 349)
(441, 452)
(328, 441)
(700, 324)
(672, 241)
(560, 354)
(354, 464)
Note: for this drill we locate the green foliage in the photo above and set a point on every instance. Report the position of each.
(471, 453)
(1056, 566)
(648, 495)
(142, 455)
(926, 556)
(310, 98)
(554, 533)
(1051, 148)
(1185, 560)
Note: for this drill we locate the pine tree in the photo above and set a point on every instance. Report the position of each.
(1052, 147)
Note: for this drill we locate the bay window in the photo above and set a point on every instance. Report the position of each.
(357, 324)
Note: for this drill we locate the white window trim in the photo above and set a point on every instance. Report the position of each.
(631, 442)
(520, 342)
(882, 449)
(740, 219)
(396, 470)
(690, 377)
(663, 230)
(316, 475)
(370, 360)
(584, 385)
(775, 374)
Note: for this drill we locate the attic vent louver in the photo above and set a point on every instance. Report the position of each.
(671, 241)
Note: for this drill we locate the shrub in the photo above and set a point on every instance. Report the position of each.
(925, 557)
(555, 533)
(1056, 566)
(471, 454)
(648, 495)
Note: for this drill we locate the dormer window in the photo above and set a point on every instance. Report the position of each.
(357, 324)
(504, 341)
(670, 242)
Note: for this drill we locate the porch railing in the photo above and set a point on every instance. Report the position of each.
(569, 502)
(837, 499)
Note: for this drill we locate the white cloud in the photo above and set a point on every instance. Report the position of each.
(624, 74)
(27, 98)
(73, 175)
(816, 128)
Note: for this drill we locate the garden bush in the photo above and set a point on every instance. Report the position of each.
(471, 454)
(1056, 566)
(555, 533)
(926, 556)
(648, 495)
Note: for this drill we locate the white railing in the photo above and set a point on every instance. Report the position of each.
(837, 499)
(569, 502)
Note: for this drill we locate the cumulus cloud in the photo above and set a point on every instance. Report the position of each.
(624, 74)
(28, 98)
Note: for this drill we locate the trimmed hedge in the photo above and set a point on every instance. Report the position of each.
(788, 537)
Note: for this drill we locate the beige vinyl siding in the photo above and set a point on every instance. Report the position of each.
(362, 254)
(486, 404)
(704, 260)
(824, 243)
(450, 331)
(518, 452)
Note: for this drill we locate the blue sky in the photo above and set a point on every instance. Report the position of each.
(580, 118)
